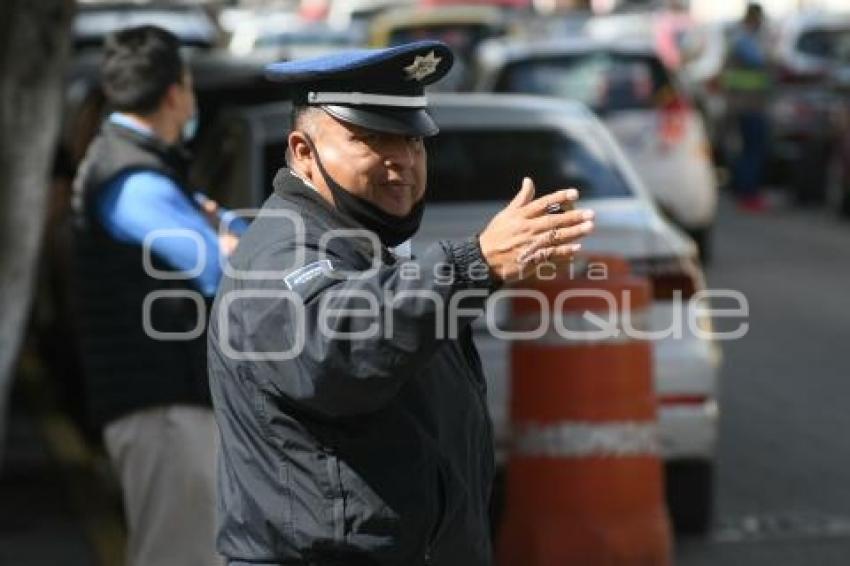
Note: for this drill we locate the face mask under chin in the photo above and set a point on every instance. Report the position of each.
(391, 230)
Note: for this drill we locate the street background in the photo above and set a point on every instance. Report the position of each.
(781, 489)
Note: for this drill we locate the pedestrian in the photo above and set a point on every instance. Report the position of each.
(146, 265)
(347, 388)
(747, 83)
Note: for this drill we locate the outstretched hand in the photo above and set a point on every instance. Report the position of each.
(524, 234)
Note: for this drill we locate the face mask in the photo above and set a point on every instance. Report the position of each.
(391, 230)
(190, 128)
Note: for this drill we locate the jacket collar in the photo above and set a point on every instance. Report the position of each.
(292, 188)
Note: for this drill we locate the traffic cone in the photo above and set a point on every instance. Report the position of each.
(584, 480)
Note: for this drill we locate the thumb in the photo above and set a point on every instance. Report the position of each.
(525, 194)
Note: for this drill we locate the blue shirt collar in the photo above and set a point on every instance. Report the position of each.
(127, 122)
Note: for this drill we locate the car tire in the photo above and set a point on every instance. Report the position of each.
(689, 489)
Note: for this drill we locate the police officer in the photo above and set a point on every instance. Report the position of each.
(346, 385)
(149, 394)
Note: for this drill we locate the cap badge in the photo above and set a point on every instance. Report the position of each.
(422, 66)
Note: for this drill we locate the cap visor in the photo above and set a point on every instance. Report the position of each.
(402, 121)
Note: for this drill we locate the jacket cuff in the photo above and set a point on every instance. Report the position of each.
(470, 269)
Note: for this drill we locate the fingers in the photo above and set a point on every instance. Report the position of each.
(564, 220)
(555, 238)
(526, 232)
(525, 194)
(554, 254)
(227, 244)
(538, 207)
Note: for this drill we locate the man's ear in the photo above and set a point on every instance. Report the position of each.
(301, 153)
(172, 96)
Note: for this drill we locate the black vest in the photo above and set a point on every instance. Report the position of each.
(126, 369)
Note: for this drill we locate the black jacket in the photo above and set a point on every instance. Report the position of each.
(373, 450)
(125, 368)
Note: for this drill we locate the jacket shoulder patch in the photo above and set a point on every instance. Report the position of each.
(307, 273)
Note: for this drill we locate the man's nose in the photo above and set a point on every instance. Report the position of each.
(399, 153)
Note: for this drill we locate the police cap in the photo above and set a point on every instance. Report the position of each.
(378, 89)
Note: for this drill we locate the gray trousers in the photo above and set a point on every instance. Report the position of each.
(165, 458)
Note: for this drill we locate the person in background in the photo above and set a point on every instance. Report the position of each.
(146, 264)
(746, 81)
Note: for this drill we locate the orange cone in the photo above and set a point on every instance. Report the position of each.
(584, 479)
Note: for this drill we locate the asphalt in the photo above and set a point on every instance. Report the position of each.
(59, 502)
(783, 464)
(38, 523)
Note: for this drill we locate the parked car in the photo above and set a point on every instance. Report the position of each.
(640, 102)
(486, 145)
(356, 15)
(463, 28)
(275, 36)
(806, 132)
(191, 23)
(699, 52)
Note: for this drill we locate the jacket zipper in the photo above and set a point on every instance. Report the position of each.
(338, 510)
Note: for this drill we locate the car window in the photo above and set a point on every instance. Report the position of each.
(602, 80)
(481, 165)
(826, 44)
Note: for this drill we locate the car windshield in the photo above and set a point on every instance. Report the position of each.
(488, 165)
(602, 80)
(833, 44)
(482, 165)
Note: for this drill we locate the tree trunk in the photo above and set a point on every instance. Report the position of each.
(34, 46)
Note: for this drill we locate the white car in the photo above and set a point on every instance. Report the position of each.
(487, 143)
(285, 35)
(638, 99)
(809, 42)
(808, 120)
(94, 21)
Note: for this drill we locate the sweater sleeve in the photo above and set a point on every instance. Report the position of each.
(137, 203)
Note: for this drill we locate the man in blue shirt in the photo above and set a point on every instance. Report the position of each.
(140, 202)
(147, 264)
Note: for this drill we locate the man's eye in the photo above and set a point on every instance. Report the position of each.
(415, 139)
